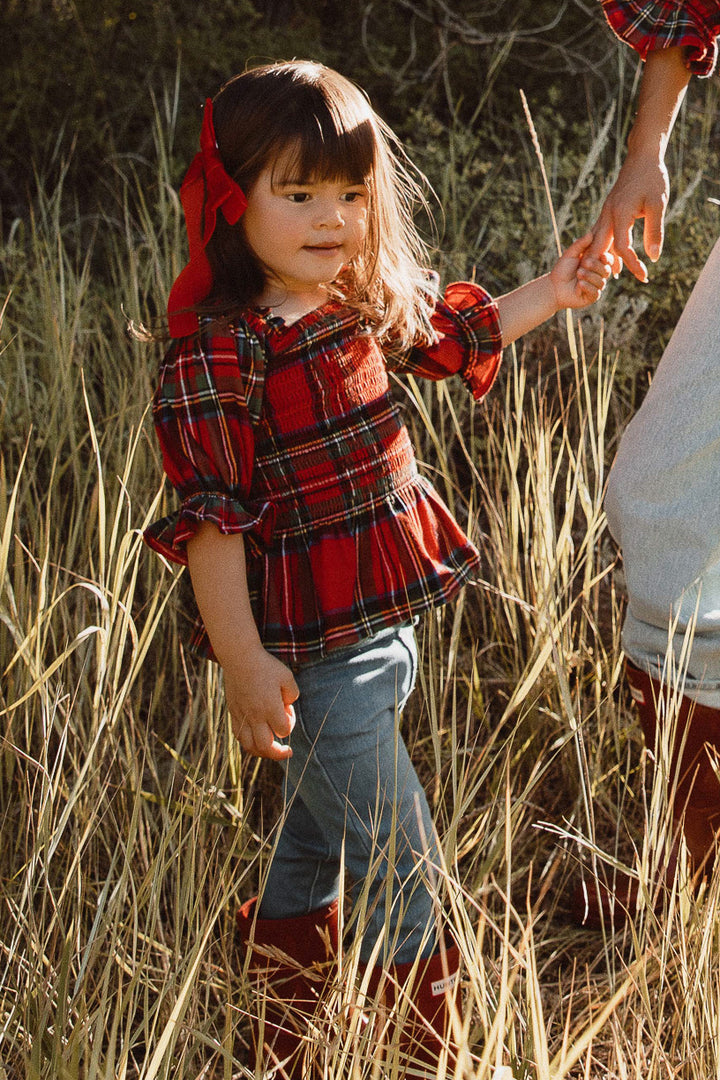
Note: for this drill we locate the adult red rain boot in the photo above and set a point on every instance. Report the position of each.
(696, 803)
(290, 965)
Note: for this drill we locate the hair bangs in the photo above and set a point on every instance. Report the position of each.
(327, 140)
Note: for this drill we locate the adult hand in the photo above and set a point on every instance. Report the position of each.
(640, 191)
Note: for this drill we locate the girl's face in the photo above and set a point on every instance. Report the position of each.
(303, 232)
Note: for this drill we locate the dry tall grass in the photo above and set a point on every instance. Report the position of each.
(131, 828)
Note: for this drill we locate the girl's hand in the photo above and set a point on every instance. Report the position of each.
(578, 276)
(259, 691)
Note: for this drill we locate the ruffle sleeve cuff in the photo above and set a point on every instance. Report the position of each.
(468, 340)
(169, 535)
(659, 24)
(475, 316)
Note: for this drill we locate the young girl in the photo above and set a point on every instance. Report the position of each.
(312, 541)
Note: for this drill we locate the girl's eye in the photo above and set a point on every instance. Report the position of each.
(298, 196)
(353, 196)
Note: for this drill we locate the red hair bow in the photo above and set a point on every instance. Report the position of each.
(206, 189)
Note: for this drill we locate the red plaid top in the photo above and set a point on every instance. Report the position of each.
(289, 434)
(658, 24)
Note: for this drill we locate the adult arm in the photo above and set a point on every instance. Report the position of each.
(675, 38)
(259, 688)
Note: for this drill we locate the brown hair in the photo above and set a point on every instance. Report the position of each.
(322, 126)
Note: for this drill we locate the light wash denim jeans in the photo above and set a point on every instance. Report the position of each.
(663, 500)
(352, 794)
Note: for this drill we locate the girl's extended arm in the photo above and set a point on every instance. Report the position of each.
(259, 688)
(576, 280)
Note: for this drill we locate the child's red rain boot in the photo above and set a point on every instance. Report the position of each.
(423, 1001)
(696, 802)
(290, 965)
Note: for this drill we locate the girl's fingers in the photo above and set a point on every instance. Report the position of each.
(600, 266)
(246, 739)
(260, 740)
(588, 277)
(588, 295)
(283, 724)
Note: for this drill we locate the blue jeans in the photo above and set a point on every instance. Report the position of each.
(663, 501)
(353, 798)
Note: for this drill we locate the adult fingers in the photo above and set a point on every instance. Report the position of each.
(653, 230)
(603, 234)
(604, 239)
(623, 247)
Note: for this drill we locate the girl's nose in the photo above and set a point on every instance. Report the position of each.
(330, 216)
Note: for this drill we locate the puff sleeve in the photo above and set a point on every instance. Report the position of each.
(469, 341)
(660, 24)
(205, 410)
